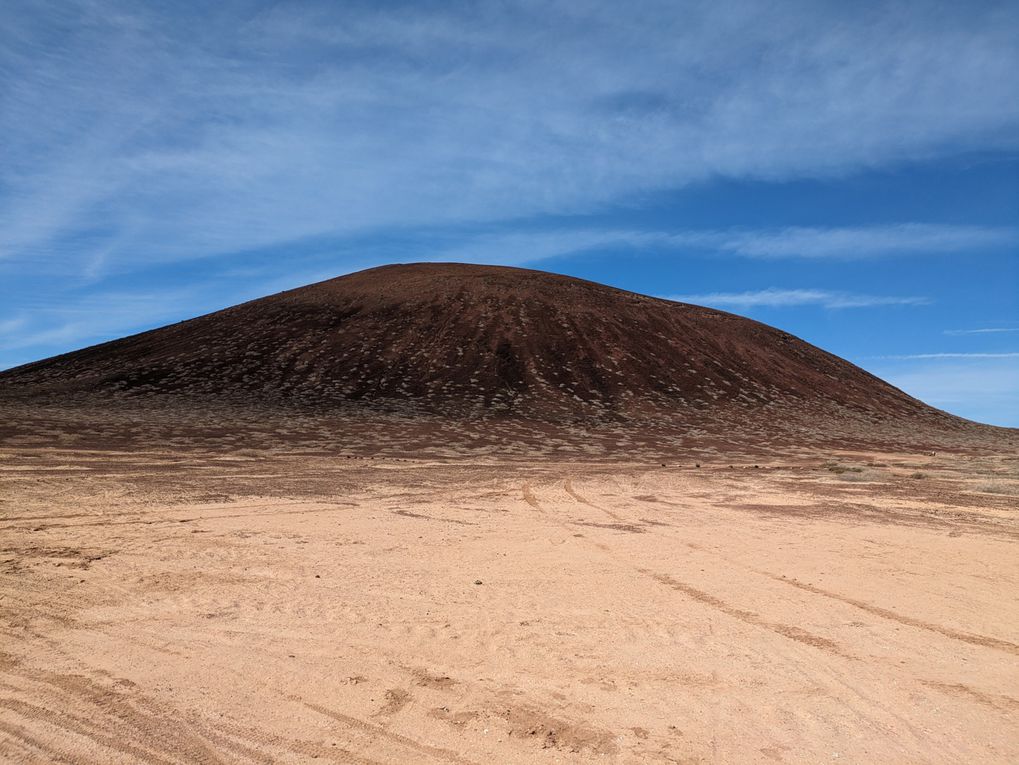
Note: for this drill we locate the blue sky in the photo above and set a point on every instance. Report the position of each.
(846, 171)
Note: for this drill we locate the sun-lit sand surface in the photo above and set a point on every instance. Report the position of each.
(174, 607)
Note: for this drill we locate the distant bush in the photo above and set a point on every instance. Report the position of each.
(858, 474)
(840, 469)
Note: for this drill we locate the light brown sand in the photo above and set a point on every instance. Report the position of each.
(174, 608)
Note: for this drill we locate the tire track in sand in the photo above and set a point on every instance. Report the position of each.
(983, 641)
(376, 731)
(748, 617)
(568, 485)
(965, 637)
(787, 631)
(530, 499)
(121, 718)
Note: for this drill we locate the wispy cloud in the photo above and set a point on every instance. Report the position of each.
(42, 323)
(88, 317)
(529, 246)
(982, 389)
(866, 241)
(843, 243)
(783, 298)
(986, 331)
(929, 356)
(137, 132)
(10, 326)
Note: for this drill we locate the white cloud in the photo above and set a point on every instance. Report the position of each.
(145, 133)
(982, 389)
(793, 242)
(866, 241)
(10, 326)
(47, 324)
(105, 315)
(58, 325)
(784, 298)
(528, 246)
(928, 356)
(987, 331)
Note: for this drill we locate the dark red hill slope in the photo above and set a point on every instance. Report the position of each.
(479, 342)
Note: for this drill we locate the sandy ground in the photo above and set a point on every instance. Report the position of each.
(177, 608)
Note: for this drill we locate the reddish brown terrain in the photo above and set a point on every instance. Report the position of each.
(463, 515)
(503, 354)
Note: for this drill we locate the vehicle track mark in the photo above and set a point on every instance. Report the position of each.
(530, 499)
(965, 637)
(445, 755)
(568, 485)
(749, 617)
(1000, 702)
(84, 727)
(16, 733)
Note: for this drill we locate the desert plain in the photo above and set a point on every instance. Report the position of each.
(442, 513)
(271, 605)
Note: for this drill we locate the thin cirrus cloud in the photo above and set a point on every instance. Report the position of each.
(47, 325)
(867, 241)
(934, 356)
(155, 133)
(836, 243)
(979, 386)
(785, 298)
(984, 331)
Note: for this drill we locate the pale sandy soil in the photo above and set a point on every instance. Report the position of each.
(178, 608)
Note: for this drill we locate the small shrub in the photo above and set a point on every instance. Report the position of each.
(840, 469)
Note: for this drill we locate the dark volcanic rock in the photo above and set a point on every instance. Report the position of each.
(478, 342)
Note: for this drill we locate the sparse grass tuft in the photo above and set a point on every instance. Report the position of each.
(993, 487)
(858, 474)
